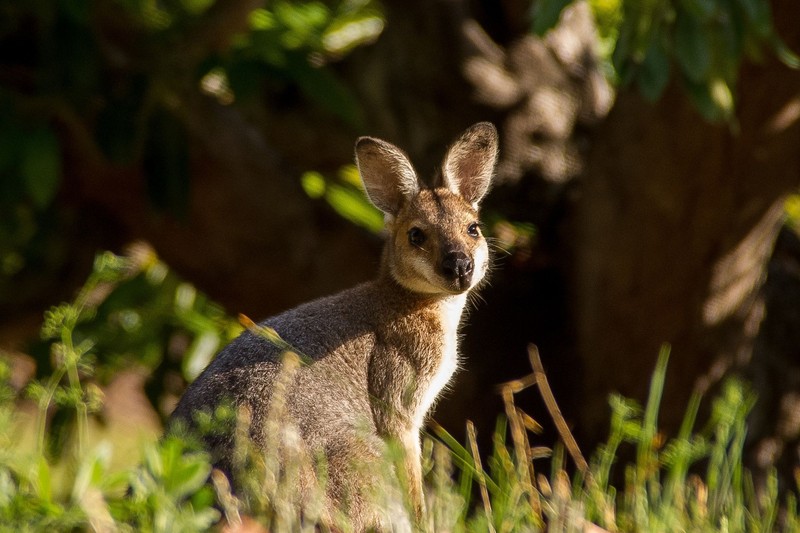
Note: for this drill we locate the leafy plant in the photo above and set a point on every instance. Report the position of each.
(345, 195)
(112, 79)
(76, 489)
(703, 41)
(169, 492)
(288, 43)
(132, 312)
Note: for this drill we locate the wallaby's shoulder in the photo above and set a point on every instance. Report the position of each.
(320, 326)
(312, 328)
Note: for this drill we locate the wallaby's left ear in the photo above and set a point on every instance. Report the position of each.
(469, 164)
(388, 176)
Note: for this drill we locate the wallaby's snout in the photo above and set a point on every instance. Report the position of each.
(457, 266)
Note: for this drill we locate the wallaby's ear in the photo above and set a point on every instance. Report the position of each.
(469, 164)
(386, 172)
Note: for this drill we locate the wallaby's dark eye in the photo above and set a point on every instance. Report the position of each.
(416, 236)
(473, 230)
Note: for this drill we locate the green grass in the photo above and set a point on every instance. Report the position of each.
(693, 481)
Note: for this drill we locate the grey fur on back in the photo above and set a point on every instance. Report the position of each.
(378, 354)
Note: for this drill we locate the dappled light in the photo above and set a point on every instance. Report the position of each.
(735, 277)
(786, 117)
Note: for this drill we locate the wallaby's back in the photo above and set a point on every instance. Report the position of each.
(334, 337)
(375, 357)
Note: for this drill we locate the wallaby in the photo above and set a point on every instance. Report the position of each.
(380, 353)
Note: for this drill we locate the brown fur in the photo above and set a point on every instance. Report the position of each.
(381, 352)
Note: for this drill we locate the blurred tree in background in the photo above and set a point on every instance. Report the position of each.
(221, 133)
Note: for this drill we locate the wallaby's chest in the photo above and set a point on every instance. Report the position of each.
(444, 366)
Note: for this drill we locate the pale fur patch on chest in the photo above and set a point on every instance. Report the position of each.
(450, 317)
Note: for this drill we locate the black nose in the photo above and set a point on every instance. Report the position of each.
(457, 266)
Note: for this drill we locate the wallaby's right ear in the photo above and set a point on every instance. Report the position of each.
(386, 172)
(469, 164)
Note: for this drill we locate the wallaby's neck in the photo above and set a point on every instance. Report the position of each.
(442, 316)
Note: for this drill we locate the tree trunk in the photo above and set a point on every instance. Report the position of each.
(675, 225)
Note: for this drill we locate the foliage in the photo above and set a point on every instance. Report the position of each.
(664, 489)
(112, 79)
(704, 40)
(345, 195)
(167, 493)
(290, 41)
(132, 311)
(695, 481)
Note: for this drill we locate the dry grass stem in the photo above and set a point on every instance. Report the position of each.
(476, 456)
(555, 412)
(522, 451)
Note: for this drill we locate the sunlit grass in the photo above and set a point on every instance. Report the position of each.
(106, 478)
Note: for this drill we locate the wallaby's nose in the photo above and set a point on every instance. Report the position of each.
(457, 266)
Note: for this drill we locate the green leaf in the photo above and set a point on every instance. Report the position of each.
(304, 23)
(92, 470)
(785, 54)
(722, 96)
(196, 7)
(701, 96)
(199, 354)
(546, 14)
(43, 480)
(313, 184)
(188, 476)
(350, 175)
(322, 87)
(351, 31)
(621, 56)
(654, 71)
(351, 204)
(153, 460)
(261, 19)
(692, 47)
(699, 9)
(41, 165)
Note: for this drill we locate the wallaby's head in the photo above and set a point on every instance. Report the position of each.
(435, 245)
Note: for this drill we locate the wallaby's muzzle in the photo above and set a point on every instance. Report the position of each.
(457, 267)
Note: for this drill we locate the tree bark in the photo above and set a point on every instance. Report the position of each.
(675, 226)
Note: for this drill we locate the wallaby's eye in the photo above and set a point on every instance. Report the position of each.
(474, 230)
(416, 236)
